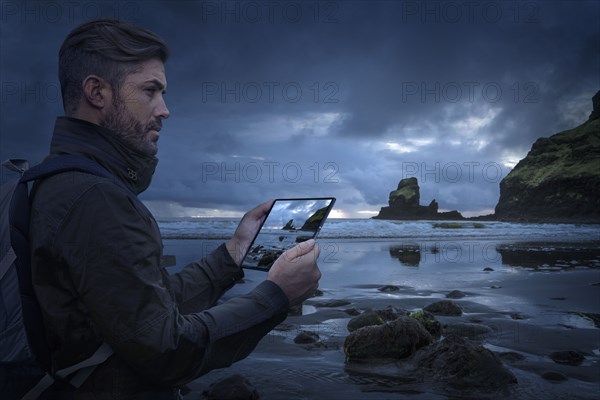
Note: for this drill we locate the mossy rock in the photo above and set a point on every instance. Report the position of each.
(428, 321)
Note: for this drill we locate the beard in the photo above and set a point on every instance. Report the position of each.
(135, 134)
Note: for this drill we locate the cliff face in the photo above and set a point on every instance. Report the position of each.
(404, 204)
(559, 179)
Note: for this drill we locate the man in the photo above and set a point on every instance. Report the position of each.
(96, 254)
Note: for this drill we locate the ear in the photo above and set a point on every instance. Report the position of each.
(97, 93)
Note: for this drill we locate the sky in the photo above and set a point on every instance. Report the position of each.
(280, 99)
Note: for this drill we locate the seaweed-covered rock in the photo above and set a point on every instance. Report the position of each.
(444, 307)
(396, 339)
(428, 321)
(462, 364)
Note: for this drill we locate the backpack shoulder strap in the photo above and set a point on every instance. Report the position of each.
(19, 214)
(65, 163)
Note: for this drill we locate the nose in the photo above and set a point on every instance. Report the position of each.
(161, 111)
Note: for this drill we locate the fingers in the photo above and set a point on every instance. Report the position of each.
(261, 210)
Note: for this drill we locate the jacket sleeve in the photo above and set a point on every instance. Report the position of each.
(201, 283)
(114, 263)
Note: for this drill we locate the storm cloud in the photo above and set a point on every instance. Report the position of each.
(326, 98)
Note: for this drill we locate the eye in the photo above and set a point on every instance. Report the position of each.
(150, 91)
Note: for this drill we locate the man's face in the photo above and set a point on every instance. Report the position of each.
(138, 108)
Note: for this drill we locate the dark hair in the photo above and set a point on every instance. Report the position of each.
(110, 49)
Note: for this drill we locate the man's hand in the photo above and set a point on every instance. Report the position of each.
(296, 271)
(246, 230)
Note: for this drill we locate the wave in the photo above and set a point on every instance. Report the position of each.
(223, 228)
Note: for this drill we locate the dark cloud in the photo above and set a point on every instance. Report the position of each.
(343, 98)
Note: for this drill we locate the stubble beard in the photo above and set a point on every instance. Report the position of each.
(132, 132)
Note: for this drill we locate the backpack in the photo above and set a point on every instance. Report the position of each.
(21, 322)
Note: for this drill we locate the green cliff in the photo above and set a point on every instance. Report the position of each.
(558, 180)
(314, 221)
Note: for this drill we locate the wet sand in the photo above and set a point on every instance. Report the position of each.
(535, 298)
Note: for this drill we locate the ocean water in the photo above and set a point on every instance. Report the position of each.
(223, 228)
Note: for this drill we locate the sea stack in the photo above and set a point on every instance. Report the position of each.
(403, 204)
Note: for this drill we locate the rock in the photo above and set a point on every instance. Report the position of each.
(403, 204)
(396, 339)
(595, 114)
(390, 313)
(407, 254)
(455, 294)
(368, 318)
(235, 387)
(295, 310)
(305, 337)
(389, 288)
(428, 321)
(595, 318)
(444, 307)
(488, 269)
(269, 258)
(467, 330)
(332, 303)
(554, 376)
(352, 311)
(511, 356)
(558, 180)
(407, 193)
(568, 357)
(289, 226)
(463, 365)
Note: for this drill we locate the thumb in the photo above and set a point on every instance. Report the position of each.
(300, 250)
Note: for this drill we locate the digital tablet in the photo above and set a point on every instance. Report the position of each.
(289, 222)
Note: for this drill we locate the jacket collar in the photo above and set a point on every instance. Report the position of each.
(76, 136)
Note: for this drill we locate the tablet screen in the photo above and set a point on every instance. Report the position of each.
(289, 222)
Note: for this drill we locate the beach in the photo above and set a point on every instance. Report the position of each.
(523, 297)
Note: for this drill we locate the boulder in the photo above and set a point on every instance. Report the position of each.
(428, 321)
(306, 337)
(568, 357)
(455, 294)
(235, 387)
(368, 318)
(391, 313)
(462, 364)
(396, 339)
(332, 303)
(444, 307)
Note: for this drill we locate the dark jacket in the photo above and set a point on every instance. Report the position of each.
(96, 260)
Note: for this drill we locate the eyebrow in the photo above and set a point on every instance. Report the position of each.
(156, 82)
